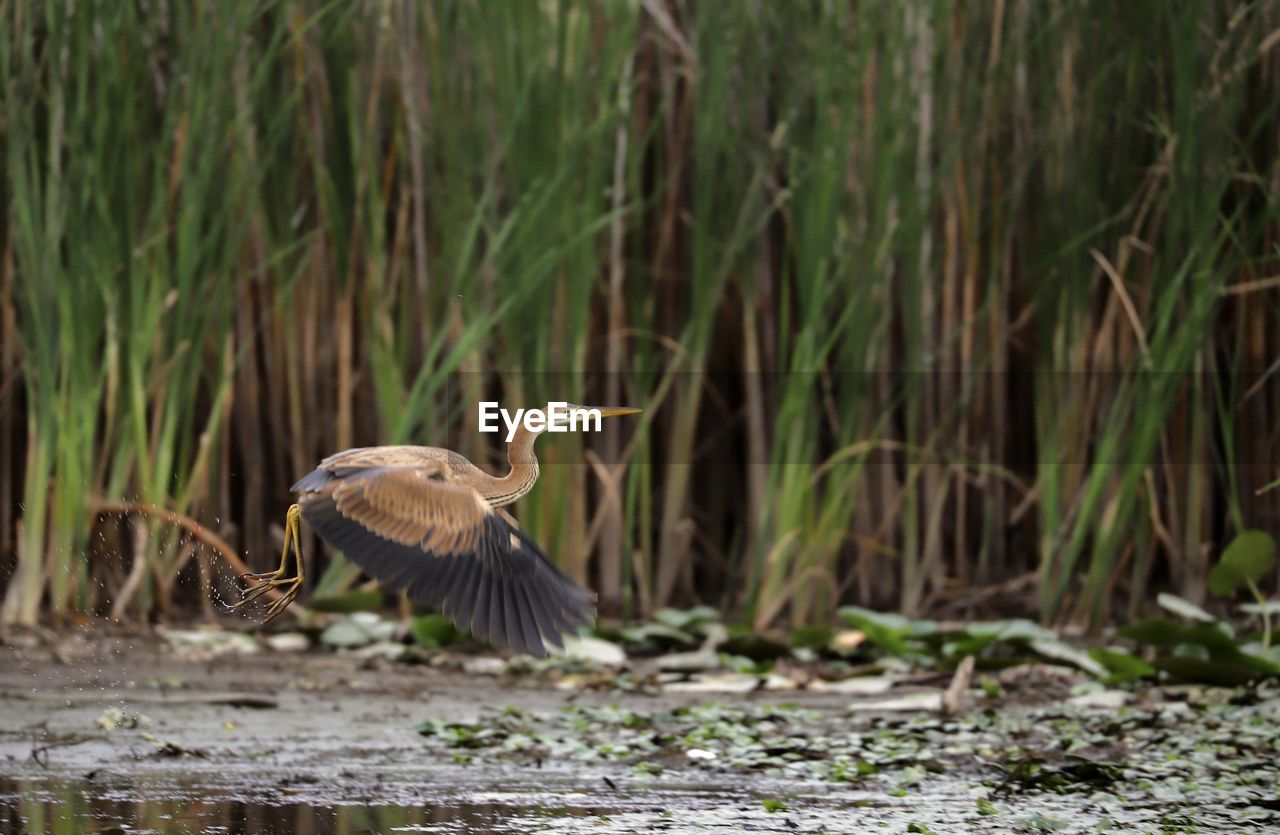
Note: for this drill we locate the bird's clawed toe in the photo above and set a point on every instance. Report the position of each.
(260, 584)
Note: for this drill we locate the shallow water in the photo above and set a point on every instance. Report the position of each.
(111, 805)
(51, 806)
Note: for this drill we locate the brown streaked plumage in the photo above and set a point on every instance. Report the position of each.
(426, 520)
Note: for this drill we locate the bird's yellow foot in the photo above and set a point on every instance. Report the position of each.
(278, 579)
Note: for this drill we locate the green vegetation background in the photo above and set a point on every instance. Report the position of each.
(932, 306)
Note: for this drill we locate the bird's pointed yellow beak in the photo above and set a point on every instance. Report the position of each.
(610, 411)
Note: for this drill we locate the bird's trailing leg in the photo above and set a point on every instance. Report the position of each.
(262, 583)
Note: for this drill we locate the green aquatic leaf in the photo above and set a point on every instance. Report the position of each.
(657, 633)
(891, 632)
(743, 641)
(745, 664)
(1249, 558)
(1208, 671)
(1122, 666)
(975, 639)
(1162, 632)
(1014, 629)
(433, 631)
(356, 600)
(817, 638)
(1184, 608)
(1056, 650)
(990, 687)
(861, 618)
(1044, 823)
(686, 619)
(1269, 607)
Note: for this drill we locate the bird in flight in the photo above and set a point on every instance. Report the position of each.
(427, 521)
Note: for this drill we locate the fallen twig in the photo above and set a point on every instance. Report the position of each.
(954, 694)
(40, 752)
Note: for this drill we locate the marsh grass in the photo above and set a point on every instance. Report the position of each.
(929, 304)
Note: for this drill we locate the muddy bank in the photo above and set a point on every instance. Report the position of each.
(123, 732)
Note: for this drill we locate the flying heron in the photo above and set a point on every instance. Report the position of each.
(427, 520)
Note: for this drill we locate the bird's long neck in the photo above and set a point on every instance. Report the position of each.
(524, 471)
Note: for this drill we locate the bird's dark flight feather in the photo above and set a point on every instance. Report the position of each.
(504, 589)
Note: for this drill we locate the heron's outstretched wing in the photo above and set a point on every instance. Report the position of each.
(443, 544)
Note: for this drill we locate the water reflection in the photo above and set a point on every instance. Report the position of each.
(58, 807)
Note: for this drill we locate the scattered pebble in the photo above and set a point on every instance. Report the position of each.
(206, 643)
(859, 685)
(779, 682)
(721, 683)
(595, 650)
(484, 666)
(357, 630)
(288, 642)
(389, 650)
(1105, 699)
(688, 662)
(921, 700)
